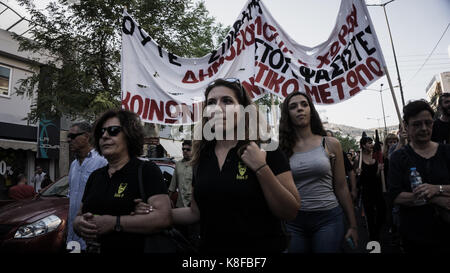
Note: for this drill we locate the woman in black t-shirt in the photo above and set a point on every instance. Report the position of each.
(241, 193)
(421, 228)
(112, 192)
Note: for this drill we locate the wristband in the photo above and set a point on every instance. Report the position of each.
(265, 164)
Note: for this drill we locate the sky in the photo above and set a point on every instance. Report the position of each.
(416, 27)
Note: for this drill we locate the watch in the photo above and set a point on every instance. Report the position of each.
(441, 189)
(118, 227)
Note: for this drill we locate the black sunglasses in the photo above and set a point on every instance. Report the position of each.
(112, 130)
(73, 136)
(186, 149)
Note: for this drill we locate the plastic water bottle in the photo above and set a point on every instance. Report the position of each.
(416, 180)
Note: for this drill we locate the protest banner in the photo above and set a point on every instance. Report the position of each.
(167, 89)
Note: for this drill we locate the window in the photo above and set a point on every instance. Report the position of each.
(5, 76)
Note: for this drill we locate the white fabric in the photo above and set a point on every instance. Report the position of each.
(167, 89)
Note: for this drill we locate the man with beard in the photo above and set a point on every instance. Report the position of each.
(86, 161)
(441, 127)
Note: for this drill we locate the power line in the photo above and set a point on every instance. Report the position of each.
(431, 53)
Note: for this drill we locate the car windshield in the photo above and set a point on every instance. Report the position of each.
(59, 188)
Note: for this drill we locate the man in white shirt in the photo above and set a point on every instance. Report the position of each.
(86, 161)
(37, 179)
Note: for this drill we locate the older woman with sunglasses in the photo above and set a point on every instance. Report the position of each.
(421, 227)
(241, 193)
(112, 192)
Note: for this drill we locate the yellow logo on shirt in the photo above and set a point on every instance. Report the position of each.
(242, 170)
(120, 190)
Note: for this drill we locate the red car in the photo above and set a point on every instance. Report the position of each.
(40, 224)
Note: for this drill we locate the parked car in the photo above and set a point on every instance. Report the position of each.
(40, 224)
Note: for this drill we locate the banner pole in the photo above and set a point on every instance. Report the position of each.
(393, 94)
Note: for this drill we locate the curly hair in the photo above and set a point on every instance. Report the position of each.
(288, 137)
(131, 127)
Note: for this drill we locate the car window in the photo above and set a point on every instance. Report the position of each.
(167, 173)
(60, 187)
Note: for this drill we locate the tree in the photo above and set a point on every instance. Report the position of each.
(81, 76)
(347, 142)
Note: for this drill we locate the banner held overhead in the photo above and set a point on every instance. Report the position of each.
(167, 89)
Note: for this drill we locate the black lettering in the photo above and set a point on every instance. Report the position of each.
(146, 39)
(124, 28)
(286, 65)
(349, 60)
(213, 57)
(322, 74)
(307, 73)
(237, 26)
(272, 58)
(266, 52)
(172, 59)
(337, 71)
(356, 49)
(364, 44)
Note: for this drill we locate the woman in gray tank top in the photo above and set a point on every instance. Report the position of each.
(319, 226)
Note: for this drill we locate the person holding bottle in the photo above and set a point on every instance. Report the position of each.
(419, 182)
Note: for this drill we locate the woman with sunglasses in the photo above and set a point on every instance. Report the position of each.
(318, 168)
(241, 193)
(424, 227)
(112, 192)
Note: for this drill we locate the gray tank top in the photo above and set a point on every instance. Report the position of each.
(314, 179)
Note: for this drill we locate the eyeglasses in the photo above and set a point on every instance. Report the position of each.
(418, 123)
(186, 149)
(112, 130)
(73, 136)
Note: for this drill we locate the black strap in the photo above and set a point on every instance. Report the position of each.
(141, 184)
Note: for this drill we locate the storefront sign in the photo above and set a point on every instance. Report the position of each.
(48, 139)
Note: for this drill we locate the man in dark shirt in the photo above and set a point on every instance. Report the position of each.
(441, 126)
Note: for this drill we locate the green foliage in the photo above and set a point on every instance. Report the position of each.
(347, 142)
(79, 45)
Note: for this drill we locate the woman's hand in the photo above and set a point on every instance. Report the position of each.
(85, 227)
(141, 207)
(426, 191)
(253, 156)
(352, 233)
(105, 223)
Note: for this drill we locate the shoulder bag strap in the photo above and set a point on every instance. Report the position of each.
(141, 184)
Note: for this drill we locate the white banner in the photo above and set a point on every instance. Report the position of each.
(167, 89)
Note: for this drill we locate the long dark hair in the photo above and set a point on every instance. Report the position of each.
(244, 99)
(288, 136)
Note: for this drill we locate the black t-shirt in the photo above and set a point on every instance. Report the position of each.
(420, 223)
(114, 196)
(234, 214)
(441, 132)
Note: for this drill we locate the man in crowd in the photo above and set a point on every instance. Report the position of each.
(86, 161)
(182, 178)
(37, 179)
(441, 126)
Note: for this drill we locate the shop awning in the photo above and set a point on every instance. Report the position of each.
(173, 148)
(19, 145)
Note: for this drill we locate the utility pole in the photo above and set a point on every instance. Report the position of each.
(393, 49)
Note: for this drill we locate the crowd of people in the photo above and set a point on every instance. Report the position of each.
(231, 196)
